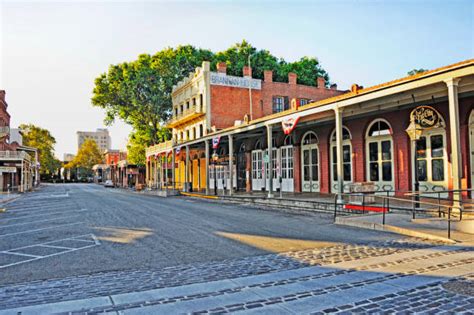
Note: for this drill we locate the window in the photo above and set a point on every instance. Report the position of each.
(304, 101)
(379, 128)
(187, 134)
(201, 102)
(194, 133)
(310, 138)
(201, 130)
(280, 103)
(187, 105)
(194, 101)
(288, 140)
(176, 111)
(181, 108)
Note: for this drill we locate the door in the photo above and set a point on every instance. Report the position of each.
(346, 167)
(258, 170)
(380, 164)
(275, 160)
(310, 163)
(287, 182)
(241, 171)
(432, 162)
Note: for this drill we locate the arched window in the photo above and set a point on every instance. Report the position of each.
(379, 159)
(309, 138)
(258, 145)
(242, 148)
(346, 159)
(288, 140)
(379, 128)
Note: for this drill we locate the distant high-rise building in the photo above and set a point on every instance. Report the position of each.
(100, 136)
(68, 157)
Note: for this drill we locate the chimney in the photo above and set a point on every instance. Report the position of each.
(247, 71)
(321, 83)
(334, 86)
(292, 78)
(222, 67)
(268, 76)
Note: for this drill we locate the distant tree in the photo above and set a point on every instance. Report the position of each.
(416, 71)
(87, 156)
(40, 138)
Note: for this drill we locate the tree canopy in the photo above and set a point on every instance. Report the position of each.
(139, 92)
(40, 138)
(416, 71)
(87, 156)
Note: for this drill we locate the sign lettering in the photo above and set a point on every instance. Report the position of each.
(426, 117)
(228, 80)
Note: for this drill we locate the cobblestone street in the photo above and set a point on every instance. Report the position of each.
(381, 274)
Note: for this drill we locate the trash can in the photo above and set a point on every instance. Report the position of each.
(362, 193)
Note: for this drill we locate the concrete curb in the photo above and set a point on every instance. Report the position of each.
(392, 229)
(198, 195)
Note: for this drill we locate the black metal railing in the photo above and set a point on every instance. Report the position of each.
(386, 203)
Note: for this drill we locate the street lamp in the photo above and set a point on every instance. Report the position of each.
(414, 132)
(215, 157)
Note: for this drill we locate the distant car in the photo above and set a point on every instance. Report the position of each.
(109, 183)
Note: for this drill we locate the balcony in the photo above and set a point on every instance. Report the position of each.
(14, 156)
(159, 148)
(187, 115)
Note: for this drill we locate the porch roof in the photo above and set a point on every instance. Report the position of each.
(428, 78)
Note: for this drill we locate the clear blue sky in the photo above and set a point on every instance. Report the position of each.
(52, 51)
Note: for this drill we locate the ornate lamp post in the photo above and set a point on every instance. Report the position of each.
(414, 132)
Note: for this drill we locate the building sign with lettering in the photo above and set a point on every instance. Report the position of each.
(228, 80)
(7, 169)
(426, 117)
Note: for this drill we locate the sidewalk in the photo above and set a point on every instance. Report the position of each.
(424, 227)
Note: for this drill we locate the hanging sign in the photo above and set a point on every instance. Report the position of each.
(426, 117)
(215, 142)
(289, 124)
(7, 169)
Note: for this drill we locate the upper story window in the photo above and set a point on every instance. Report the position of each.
(176, 111)
(187, 134)
(280, 103)
(187, 105)
(201, 130)
(304, 101)
(201, 102)
(181, 108)
(194, 101)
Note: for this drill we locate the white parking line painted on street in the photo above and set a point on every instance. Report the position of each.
(42, 229)
(14, 251)
(41, 215)
(39, 221)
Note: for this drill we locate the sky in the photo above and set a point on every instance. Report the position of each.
(51, 51)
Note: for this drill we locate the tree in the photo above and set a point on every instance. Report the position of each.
(87, 156)
(37, 137)
(139, 92)
(416, 71)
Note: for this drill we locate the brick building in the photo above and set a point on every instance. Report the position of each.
(359, 136)
(208, 101)
(19, 167)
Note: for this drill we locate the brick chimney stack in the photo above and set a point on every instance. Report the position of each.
(321, 83)
(292, 78)
(334, 86)
(247, 71)
(222, 67)
(268, 76)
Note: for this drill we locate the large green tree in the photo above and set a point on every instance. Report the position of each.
(40, 138)
(87, 156)
(139, 92)
(416, 71)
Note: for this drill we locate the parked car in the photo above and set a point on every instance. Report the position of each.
(109, 183)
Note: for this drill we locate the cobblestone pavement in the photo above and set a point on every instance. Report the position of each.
(375, 276)
(81, 287)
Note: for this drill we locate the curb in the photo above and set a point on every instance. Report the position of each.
(392, 229)
(198, 195)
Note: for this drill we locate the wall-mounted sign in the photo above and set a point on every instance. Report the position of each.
(289, 124)
(7, 169)
(228, 80)
(426, 117)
